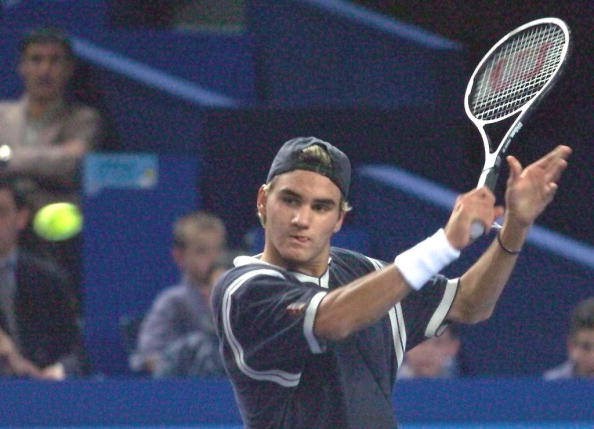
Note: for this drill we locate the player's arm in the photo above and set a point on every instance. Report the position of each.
(360, 303)
(528, 193)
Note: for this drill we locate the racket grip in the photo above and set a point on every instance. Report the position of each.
(476, 230)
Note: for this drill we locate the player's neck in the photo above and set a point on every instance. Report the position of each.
(313, 269)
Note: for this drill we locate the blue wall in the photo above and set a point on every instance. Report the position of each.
(194, 402)
(130, 202)
(333, 53)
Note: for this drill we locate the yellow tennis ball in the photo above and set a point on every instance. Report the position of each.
(58, 221)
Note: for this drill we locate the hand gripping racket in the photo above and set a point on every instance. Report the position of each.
(511, 79)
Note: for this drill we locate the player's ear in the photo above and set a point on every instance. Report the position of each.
(261, 204)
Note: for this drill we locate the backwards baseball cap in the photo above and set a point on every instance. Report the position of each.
(291, 156)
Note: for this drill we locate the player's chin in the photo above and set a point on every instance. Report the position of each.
(296, 255)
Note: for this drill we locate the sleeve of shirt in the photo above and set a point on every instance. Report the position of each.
(425, 311)
(268, 322)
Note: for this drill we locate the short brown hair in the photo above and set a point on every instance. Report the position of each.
(199, 220)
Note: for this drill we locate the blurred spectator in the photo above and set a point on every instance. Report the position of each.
(580, 345)
(197, 353)
(39, 333)
(436, 357)
(47, 135)
(183, 309)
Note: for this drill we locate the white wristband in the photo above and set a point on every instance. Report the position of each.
(421, 262)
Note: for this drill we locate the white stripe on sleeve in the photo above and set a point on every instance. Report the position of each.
(283, 378)
(435, 325)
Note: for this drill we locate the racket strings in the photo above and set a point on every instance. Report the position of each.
(519, 90)
(517, 71)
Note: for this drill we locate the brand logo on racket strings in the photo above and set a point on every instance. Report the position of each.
(519, 66)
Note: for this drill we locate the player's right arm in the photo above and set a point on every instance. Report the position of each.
(362, 302)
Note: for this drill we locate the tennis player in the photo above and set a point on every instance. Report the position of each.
(312, 336)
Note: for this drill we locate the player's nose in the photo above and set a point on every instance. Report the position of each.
(302, 216)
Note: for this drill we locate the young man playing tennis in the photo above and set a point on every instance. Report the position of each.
(312, 336)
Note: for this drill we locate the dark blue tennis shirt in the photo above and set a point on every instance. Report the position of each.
(286, 377)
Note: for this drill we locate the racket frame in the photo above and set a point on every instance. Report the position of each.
(493, 159)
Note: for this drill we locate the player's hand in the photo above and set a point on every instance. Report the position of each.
(531, 189)
(476, 205)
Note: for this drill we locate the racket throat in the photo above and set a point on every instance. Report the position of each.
(489, 175)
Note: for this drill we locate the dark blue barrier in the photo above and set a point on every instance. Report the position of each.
(196, 402)
(130, 202)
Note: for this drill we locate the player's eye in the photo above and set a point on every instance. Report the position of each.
(322, 208)
(290, 200)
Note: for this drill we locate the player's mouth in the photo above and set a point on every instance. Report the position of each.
(299, 238)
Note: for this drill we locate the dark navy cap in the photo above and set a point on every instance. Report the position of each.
(291, 157)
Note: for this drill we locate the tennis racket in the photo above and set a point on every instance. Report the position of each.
(510, 81)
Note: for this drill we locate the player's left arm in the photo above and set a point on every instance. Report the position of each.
(529, 191)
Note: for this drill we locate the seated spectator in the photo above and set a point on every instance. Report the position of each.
(197, 353)
(580, 345)
(44, 135)
(436, 357)
(39, 332)
(183, 310)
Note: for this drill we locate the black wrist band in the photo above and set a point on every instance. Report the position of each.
(505, 249)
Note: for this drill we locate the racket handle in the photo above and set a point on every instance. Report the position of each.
(476, 230)
(489, 179)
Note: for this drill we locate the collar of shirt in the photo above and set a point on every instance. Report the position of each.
(321, 281)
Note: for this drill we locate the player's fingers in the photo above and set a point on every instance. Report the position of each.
(560, 151)
(556, 169)
(515, 168)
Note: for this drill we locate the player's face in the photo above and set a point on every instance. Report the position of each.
(301, 212)
(12, 221)
(45, 69)
(581, 351)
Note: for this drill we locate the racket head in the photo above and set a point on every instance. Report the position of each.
(517, 71)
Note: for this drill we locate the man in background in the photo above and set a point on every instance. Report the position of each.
(47, 134)
(182, 311)
(580, 345)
